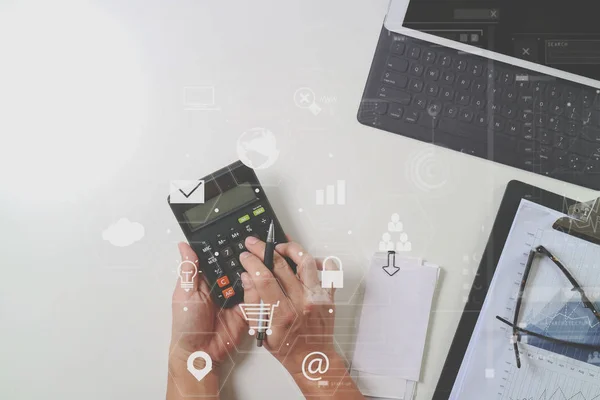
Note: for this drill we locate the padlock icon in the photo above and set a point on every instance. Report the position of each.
(332, 278)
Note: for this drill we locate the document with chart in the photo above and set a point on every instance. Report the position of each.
(563, 369)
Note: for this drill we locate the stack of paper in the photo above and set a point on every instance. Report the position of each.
(393, 327)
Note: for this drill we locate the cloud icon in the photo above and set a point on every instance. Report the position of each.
(123, 233)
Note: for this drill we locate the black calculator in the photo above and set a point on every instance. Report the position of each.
(235, 207)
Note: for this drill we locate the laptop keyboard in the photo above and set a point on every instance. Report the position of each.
(484, 108)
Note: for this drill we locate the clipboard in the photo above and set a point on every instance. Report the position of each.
(582, 220)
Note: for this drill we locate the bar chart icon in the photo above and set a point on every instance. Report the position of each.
(333, 194)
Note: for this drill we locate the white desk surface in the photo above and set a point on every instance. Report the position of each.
(94, 129)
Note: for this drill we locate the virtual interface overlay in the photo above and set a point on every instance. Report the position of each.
(564, 35)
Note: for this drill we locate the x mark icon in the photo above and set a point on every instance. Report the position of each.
(304, 98)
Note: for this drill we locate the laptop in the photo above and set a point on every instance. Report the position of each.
(512, 81)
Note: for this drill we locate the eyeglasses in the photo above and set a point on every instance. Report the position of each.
(518, 331)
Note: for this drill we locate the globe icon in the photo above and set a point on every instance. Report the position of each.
(257, 148)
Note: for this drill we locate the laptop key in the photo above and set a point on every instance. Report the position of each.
(447, 94)
(573, 128)
(481, 119)
(416, 85)
(479, 102)
(509, 112)
(397, 64)
(381, 107)
(545, 137)
(476, 69)
(432, 89)
(398, 47)
(416, 69)
(445, 61)
(395, 95)
(448, 77)
(396, 80)
(561, 142)
(429, 57)
(414, 52)
(434, 108)
(454, 127)
(514, 128)
(396, 110)
(466, 115)
(527, 134)
(411, 116)
(498, 125)
(450, 111)
(478, 86)
(555, 124)
(420, 101)
(463, 99)
(463, 82)
(460, 65)
(433, 73)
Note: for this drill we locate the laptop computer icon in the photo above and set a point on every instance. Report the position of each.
(199, 98)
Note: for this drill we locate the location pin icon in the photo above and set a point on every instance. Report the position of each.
(199, 374)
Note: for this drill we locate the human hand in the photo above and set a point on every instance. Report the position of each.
(304, 321)
(198, 326)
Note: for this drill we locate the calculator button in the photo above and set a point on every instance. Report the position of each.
(227, 293)
(212, 260)
(222, 240)
(223, 281)
(258, 211)
(264, 221)
(244, 218)
(249, 229)
(227, 252)
(239, 246)
(235, 235)
(206, 248)
(233, 263)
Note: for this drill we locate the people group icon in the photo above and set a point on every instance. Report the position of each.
(594, 358)
(386, 243)
(395, 226)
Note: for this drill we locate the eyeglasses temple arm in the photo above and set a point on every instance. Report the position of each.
(576, 286)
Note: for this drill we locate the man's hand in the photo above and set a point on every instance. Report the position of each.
(303, 322)
(196, 327)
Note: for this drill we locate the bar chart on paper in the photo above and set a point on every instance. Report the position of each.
(332, 194)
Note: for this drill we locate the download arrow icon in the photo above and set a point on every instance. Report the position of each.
(391, 269)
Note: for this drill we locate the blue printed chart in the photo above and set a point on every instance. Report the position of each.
(573, 323)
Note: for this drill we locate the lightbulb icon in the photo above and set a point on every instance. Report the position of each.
(187, 271)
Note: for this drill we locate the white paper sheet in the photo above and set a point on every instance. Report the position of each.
(489, 370)
(394, 319)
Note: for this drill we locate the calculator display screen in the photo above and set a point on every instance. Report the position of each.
(228, 201)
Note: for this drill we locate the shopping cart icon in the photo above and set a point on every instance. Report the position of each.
(257, 315)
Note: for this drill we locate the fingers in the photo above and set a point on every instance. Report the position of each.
(251, 295)
(264, 281)
(281, 269)
(307, 267)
